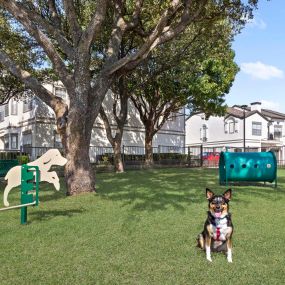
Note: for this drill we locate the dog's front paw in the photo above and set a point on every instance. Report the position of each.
(229, 256)
(209, 258)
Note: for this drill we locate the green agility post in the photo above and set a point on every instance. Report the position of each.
(30, 177)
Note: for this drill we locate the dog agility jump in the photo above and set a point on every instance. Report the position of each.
(29, 176)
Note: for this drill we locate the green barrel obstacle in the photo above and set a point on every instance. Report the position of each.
(248, 166)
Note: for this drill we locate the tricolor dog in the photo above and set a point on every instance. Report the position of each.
(218, 228)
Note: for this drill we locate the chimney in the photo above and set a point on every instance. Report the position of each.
(255, 106)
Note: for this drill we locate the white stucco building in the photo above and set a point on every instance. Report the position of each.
(264, 130)
(31, 123)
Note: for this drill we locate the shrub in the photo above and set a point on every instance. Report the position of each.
(23, 159)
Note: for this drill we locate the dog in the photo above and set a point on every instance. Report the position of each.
(51, 157)
(218, 228)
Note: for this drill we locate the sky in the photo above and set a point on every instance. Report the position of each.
(260, 54)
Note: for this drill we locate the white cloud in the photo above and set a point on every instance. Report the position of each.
(257, 23)
(262, 71)
(270, 105)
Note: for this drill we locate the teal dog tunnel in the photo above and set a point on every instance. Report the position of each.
(248, 166)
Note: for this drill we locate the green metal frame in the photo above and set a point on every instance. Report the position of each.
(30, 178)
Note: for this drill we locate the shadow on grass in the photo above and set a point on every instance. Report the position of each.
(153, 190)
(50, 214)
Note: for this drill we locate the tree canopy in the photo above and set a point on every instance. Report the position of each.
(196, 69)
(81, 40)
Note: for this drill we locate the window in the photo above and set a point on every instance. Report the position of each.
(231, 127)
(6, 142)
(277, 131)
(256, 128)
(1, 114)
(204, 133)
(226, 127)
(14, 108)
(6, 106)
(60, 92)
(28, 105)
(14, 141)
(27, 139)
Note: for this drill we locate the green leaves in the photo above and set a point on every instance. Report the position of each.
(22, 49)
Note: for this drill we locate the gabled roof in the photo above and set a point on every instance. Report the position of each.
(273, 114)
(237, 112)
(231, 111)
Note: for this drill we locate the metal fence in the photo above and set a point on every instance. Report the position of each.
(134, 156)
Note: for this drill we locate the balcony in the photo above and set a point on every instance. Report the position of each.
(276, 136)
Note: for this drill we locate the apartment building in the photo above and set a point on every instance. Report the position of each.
(264, 130)
(31, 123)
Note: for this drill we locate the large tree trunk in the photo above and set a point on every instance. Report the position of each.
(80, 176)
(148, 150)
(118, 161)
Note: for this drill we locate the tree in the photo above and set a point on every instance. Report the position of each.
(198, 75)
(81, 39)
(20, 48)
(120, 100)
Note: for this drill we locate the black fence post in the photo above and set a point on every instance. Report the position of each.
(123, 155)
(201, 155)
(189, 157)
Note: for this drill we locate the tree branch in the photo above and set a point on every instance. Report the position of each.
(72, 20)
(95, 24)
(54, 14)
(56, 103)
(24, 18)
(55, 32)
(129, 62)
(107, 125)
(186, 18)
(119, 28)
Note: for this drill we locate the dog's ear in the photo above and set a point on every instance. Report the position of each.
(228, 194)
(209, 194)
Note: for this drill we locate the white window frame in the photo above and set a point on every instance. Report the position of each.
(6, 109)
(204, 133)
(14, 108)
(256, 131)
(27, 105)
(275, 132)
(15, 135)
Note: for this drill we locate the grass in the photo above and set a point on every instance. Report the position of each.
(140, 228)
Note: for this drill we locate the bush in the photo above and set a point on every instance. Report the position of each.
(8, 155)
(23, 159)
(169, 156)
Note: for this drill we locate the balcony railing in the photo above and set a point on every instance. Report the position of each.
(275, 136)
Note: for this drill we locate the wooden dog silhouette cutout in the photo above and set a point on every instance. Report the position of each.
(51, 157)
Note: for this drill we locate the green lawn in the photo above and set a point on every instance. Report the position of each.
(140, 228)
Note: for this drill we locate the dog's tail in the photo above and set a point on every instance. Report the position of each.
(200, 241)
